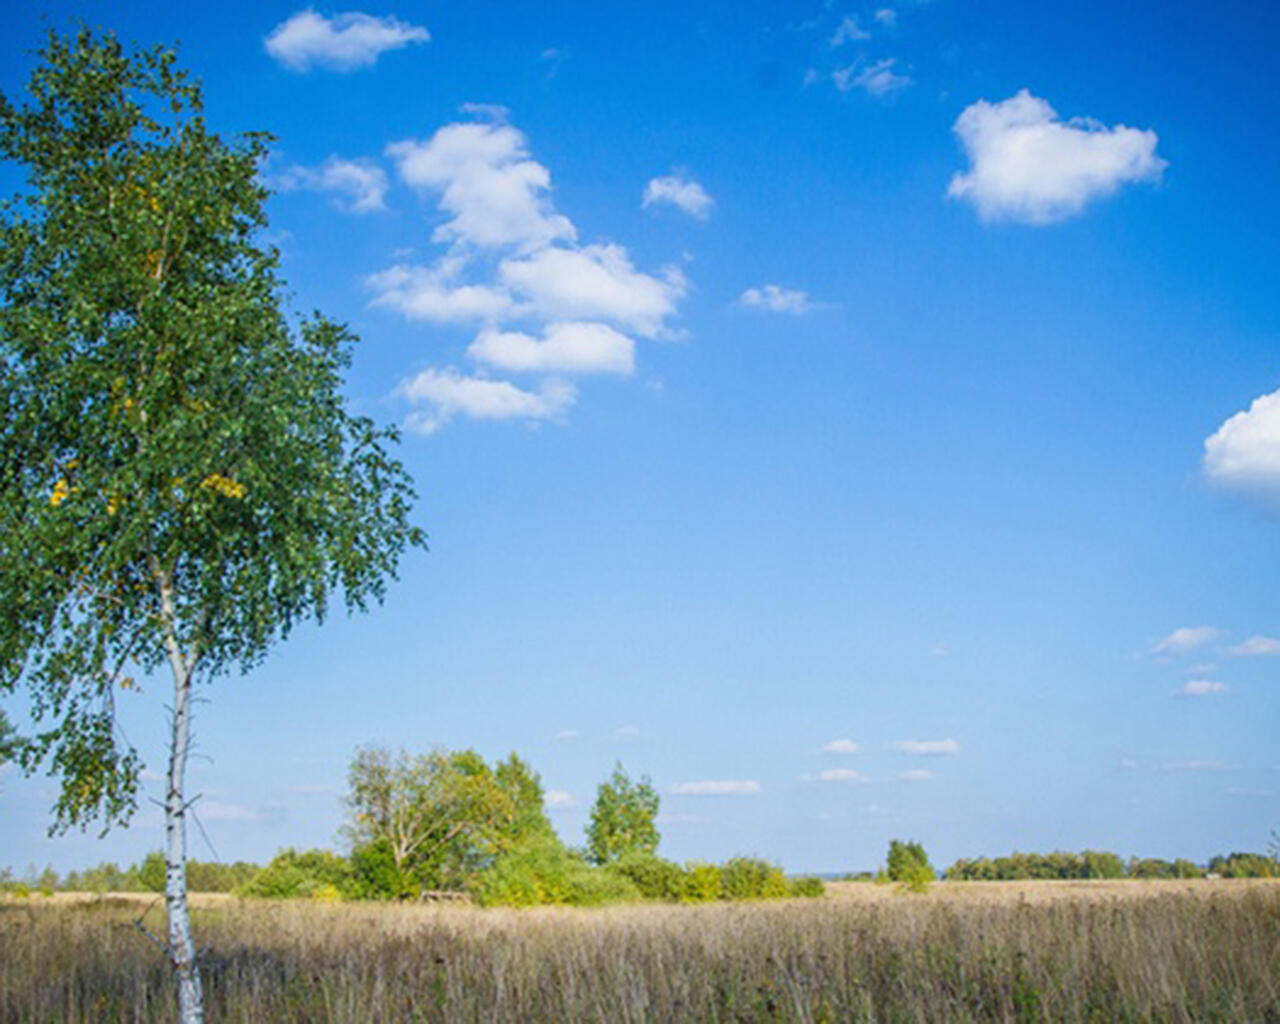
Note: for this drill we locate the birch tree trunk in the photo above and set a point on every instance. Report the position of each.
(182, 952)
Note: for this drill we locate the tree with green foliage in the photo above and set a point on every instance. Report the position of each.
(622, 818)
(438, 818)
(9, 741)
(180, 483)
(909, 864)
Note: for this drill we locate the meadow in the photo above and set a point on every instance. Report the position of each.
(1200, 950)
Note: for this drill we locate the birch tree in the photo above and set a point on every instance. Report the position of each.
(180, 484)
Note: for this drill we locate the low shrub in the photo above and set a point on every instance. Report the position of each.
(654, 877)
(541, 871)
(701, 882)
(294, 874)
(749, 878)
(806, 887)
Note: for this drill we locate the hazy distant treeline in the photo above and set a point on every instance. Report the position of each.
(1104, 864)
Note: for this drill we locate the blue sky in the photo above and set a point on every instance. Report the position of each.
(861, 418)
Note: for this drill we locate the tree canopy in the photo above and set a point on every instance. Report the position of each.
(622, 818)
(178, 473)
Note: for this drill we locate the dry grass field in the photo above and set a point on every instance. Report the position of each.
(975, 951)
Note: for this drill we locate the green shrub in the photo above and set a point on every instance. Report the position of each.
(701, 882)
(294, 874)
(653, 877)
(151, 872)
(374, 874)
(749, 878)
(806, 887)
(541, 871)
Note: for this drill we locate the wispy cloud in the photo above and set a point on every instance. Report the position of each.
(568, 734)
(1201, 688)
(447, 394)
(681, 192)
(849, 31)
(558, 800)
(844, 746)
(1185, 639)
(916, 775)
(774, 298)
(717, 787)
(358, 186)
(926, 748)
(1028, 165)
(1257, 646)
(344, 42)
(878, 79)
(837, 775)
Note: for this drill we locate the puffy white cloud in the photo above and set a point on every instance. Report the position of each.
(1027, 165)
(841, 747)
(1184, 639)
(878, 79)
(717, 787)
(566, 347)
(1256, 646)
(1201, 688)
(594, 282)
(929, 748)
(360, 185)
(447, 394)
(916, 775)
(558, 800)
(681, 192)
(841, 775)
(848, 31)
(1243, 455)
(436, 294)
(496, 194)
(342, 43)
(776, 299)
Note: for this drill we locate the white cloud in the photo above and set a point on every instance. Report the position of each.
(216, 810)
(360, 185)
(437, 295)
(841, 747)
(594, 282)
(558, 799)
(627, 731)
(916, 775)
(1205, 766)
(1243, 455)
(342, 43)
(928, 748)
(878, 79)
(1029, 166)
(939, 651)
(776, 299)
(1186, 638)
(568, 734)
(496, 194)
(717, 787)
(1201, 688)
(841, 775)
(887, 17)
(680, 192)
(572, 347)
(1256, 646)
(848, 31)
(447, 393)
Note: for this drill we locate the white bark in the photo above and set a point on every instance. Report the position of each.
(182, 953)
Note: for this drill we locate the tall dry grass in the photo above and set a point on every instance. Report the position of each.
(965, 952)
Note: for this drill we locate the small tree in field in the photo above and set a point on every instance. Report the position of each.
(622, 818)
(179, 481)
(909, 865)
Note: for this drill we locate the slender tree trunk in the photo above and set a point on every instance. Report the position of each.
(182, 952)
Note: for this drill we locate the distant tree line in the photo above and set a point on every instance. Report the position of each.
(1104, 864)
(448, 822)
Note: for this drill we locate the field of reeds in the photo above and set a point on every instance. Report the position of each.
(1082, 951)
